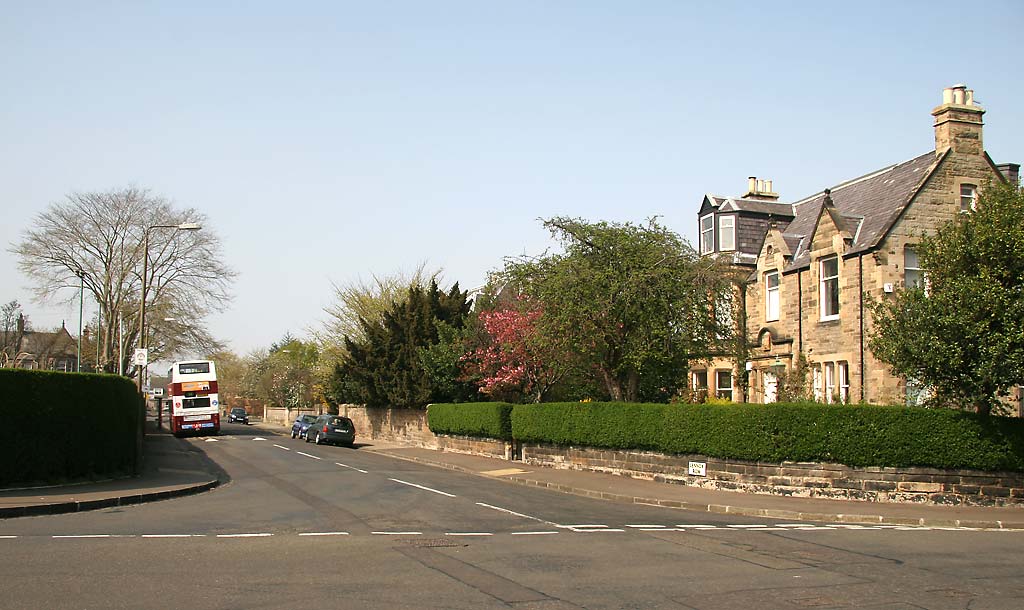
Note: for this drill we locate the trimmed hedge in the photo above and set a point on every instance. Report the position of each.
(851, 435)
(479, 419)
(56, 427)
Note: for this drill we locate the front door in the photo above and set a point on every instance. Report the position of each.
(771, 387)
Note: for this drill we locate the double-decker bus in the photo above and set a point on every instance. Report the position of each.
(192, 394)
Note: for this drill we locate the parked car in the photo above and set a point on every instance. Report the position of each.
(332, 429)
(301, 424)
(238, 414)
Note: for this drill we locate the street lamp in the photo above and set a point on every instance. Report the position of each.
(81, 307)
(185, 226)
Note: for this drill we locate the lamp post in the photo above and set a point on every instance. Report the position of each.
(81, 307)
(185, 226)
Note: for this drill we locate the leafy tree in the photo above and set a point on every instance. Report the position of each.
(634, 301)
(961, 333)
(100, 236)
(283, 375)
(517, 357)
(385, 368)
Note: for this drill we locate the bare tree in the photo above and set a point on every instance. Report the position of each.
(100, 236)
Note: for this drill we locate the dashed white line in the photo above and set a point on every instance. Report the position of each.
(325, 534)
(173, 536)
(307, 455)
(468, 534)
(84, 536)
(443, 493)
(397, 533)
(7, 537)
(698, 527)
(643, 525)
(259, 438)
(282, 447)
(584, 525)
(511, 512)
(243, 535)
(533, 533)
(351, 467)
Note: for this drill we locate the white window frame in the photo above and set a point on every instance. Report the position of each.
(726, 233)
(816, 383)
(912, 274)
(721, 389)
(969, 200)
(823, 290)
(707, 246)
(843, 368)
(830, 380)
(771, 296)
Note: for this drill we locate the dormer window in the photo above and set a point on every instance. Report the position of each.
(968, 198)
(707, 234)
(726, 233)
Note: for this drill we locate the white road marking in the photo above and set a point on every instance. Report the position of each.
(661, 529)
(243, 535)
(792, 525)
(699, 527)
(397, 533)
(282, 447)
(749, 526)
(597, 530)
(468, 534)
(307, 455)
(443, 493)
(532, 533)
(588, 526)
(352, 467)
(85, 536)
(512, 512)
(645, 525)
(325, 534)
(7, 537)
(173, 535)
(258, 438)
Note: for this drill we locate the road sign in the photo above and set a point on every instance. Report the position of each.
(141, 357)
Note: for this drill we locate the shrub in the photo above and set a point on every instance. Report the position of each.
(62, 426)
(480, 419)
(862, 435)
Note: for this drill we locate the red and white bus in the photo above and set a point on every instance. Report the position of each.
(192, 394)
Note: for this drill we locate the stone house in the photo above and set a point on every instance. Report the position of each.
(30, 349)
(814, 263)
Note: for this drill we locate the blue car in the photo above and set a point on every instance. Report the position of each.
(301, 425)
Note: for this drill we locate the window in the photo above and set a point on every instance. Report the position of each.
(707, 234)
(192, 368)
(968, 197)
(816, 387)
(829, 293)
(830, 381)
(726, 233)
(771, 303)
(724, 315)
(723, 384)
(844, 382)
(911, 268)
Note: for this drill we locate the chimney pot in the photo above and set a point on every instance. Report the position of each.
(970, 97)
(768, 186)
(947, 95)
(752, 184)
(958, 96)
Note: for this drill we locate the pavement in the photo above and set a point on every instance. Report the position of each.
(173, 467)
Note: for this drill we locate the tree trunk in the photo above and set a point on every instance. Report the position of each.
(632, 386)
(613, 385)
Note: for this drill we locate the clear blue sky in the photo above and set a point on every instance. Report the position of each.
(328, 141)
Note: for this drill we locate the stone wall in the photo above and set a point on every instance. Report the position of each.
(812, 480)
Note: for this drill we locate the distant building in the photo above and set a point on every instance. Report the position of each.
(30, 349)
(814, 263)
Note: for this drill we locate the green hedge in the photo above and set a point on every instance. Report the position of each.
(851, 435)
(56, 427)
(480, 419)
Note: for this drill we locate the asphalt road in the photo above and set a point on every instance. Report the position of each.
(300, 525)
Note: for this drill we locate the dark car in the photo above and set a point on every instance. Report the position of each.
(301, 424)
(333, 429)
(238, 414)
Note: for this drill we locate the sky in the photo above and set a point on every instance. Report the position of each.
(330, 141)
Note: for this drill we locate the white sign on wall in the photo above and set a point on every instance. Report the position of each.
(698, 469)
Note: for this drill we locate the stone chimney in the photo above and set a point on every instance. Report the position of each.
(1010, 171)
(760, 189)
(958, 122)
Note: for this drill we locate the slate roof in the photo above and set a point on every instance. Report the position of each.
(868, 206)
(758, 206)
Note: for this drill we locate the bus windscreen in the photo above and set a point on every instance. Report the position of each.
(192, 368)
